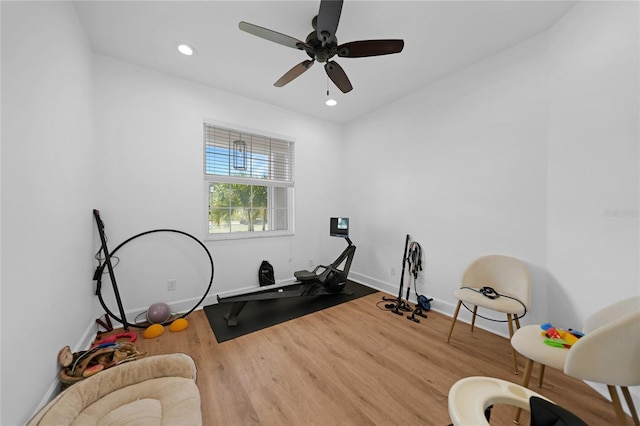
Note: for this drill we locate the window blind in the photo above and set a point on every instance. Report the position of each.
(233, 155)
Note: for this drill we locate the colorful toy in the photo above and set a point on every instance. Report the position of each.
(567, 337)
(576, 333)
(552, 333)
(559, 338)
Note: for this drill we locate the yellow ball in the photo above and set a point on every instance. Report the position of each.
(179, 324)
(152, 331)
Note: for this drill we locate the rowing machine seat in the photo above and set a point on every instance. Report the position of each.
(305, 275)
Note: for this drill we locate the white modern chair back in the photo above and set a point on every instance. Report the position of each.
(504, 274)
(611, 313)
(610, 354)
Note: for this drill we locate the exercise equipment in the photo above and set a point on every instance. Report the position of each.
(323, 280)
(158, 313)
(154, 330)
(107, 263)
(179, 325)
(106, 324)
(142, 319)
(399, 304)
(413, 258)
(423, 303)
(402, 305)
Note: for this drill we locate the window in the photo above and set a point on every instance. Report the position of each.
(251, 183)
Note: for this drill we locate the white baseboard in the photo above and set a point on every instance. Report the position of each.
(83, 343)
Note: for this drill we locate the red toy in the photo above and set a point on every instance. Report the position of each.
(112, 339)
(552, 333)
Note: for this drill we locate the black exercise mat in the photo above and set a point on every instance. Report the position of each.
(259, 314)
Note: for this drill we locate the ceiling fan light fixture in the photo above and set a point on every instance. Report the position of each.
(186, 50)
(330, 101)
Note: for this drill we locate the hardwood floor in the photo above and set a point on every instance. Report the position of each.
(355, 364)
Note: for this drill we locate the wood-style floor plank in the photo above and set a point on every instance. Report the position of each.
(355, 364)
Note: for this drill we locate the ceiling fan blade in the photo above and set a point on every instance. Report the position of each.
(328, 18)
(338, 76)
(362, 48)
(271, 35)
(294, 73)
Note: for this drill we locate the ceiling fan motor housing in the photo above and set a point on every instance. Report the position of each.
(319, 52)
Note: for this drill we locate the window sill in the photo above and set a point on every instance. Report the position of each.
(247, 235)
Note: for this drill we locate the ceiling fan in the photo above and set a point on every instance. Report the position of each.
(321, 45)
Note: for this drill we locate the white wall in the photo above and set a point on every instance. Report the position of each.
(532, 153)
(593, 169)
(149, 130)
(460, 166)
(0, 218)
(48, 184)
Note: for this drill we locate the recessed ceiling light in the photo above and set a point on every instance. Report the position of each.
(185, 49)
(331, 102)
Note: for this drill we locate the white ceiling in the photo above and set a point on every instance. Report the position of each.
(440, 37)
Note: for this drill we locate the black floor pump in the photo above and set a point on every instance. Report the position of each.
(414, 259)
(400, 305)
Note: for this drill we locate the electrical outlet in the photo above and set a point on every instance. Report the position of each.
(392, 270)
(171, 285)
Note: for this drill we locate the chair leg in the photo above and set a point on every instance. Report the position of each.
(515, 357)
(632, 408)
(517, 322)
(473, 318)
(541, 375)
(615, 399)
(528, 368)
(453, 320)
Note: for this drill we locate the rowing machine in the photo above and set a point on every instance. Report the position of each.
(323, 280)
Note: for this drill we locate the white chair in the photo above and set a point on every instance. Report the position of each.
(508, 277)
(609, 353)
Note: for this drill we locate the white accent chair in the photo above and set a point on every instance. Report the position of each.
(507, 276)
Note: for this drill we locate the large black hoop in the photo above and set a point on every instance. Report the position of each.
(101, 269)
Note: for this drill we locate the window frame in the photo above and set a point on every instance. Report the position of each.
(288, 186)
